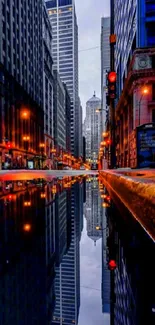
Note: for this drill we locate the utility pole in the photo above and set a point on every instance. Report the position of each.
(112, 103)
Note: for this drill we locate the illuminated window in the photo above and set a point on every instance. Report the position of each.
(70, 9)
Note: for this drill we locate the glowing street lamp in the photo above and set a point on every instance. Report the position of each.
(25, 114)
(145, 91)
(27, 227)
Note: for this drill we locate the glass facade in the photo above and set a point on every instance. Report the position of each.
(65, 55)
(134, 23)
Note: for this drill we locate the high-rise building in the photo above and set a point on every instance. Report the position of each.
(93, 128)
(68, 119)
(21, 81)
(59, 112)
(80, 141)
(105, 64)
(47, 85)
(133, 55)
(65, 55)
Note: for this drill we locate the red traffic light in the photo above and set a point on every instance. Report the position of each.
(109, 141)
(112, 76)
(112, 265)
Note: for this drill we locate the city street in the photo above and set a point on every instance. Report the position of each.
(47, 174)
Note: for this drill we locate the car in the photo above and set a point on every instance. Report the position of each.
(82, 168)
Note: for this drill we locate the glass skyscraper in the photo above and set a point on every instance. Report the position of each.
(65, 55)
(134, 23)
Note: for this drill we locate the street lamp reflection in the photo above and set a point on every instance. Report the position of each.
(27, 204)
(27, 227)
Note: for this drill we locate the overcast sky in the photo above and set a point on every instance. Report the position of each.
(90, 282)
(89, 13)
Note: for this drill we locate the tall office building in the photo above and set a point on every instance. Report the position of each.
(65, 55)
(93, 128)
(80, 140)
(105, 64)
(21, 80)
(48, 85)
(59, 113)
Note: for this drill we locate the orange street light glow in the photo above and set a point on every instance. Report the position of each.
(27, 227)
(145, 91)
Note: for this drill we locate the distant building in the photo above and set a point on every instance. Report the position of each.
(65, 55)
(105, 64)
(59, 112)
(68, 119)
(84, 149)
(93, 128)
(48, 85)
(80, 142)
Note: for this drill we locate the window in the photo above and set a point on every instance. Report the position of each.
(65, 2)
(150, 34)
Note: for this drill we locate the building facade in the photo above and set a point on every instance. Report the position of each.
(105, 64)
(48, 86)
(135, 69)
(65, 55)
(68, 119)
(21, 82)
(59, 112)
(93, 128)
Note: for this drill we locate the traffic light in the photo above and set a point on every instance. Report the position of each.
(112, 265)
(112, 76)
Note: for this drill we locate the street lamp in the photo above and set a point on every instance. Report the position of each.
(144, 92)
(25, 114)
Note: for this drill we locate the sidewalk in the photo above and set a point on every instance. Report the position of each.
(136, 189)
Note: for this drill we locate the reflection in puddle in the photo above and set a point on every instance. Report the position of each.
(69, 256)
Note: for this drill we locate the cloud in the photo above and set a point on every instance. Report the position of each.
(89, 13)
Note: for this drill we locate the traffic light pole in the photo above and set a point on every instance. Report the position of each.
(112, 106)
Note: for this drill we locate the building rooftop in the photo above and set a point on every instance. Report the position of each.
(94, 98)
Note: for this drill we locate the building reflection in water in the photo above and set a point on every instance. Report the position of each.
(93, 209)
(132, 284)
(67, 281)
(27, 258)
(40, 232)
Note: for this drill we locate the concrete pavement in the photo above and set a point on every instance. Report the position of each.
(136, 189)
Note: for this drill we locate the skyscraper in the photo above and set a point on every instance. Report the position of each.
(48, 84)
(105, 64)
(21, 80)
(65, 55)
(93, 128)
